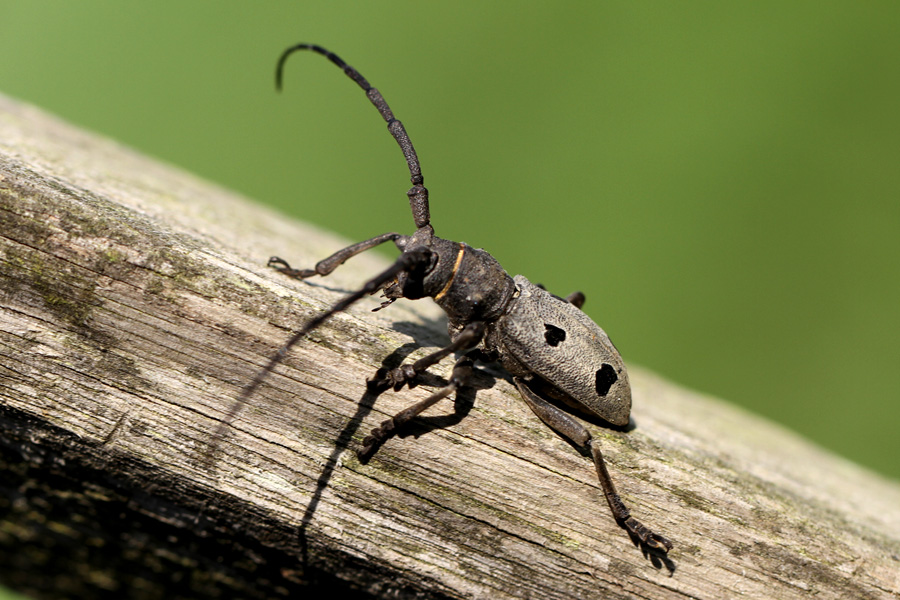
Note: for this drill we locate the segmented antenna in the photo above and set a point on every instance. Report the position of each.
(418, 194)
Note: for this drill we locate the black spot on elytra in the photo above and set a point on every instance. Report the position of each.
(554, 335)
(606, 377)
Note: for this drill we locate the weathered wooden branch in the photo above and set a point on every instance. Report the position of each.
(135, 304)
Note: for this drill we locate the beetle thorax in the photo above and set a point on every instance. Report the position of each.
(468, 283)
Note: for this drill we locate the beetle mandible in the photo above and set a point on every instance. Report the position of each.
(551, 348)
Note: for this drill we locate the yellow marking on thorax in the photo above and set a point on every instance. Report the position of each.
(459, 257)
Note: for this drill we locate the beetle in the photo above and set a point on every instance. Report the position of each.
(552, 349)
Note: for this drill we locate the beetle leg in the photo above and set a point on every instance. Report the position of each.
(462, 370)
(569, 428)
(327, 265)
(383, 379)
(576, 299)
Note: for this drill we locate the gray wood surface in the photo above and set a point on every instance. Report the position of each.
(135, 304)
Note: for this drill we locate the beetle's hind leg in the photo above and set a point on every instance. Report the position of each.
(462, 371)
(327, 265)
(576, 299)
(568, 427)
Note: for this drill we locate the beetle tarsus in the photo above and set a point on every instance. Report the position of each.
(392, 378)
(281, 265)
(646, 536)
(376, 438)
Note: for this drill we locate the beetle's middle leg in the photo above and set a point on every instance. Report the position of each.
(468, 338)
(462, 371)
(568, 427)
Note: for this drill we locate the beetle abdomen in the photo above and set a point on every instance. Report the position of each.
(563, 346)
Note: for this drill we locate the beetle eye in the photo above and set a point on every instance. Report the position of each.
(554, 335)
(605, 378)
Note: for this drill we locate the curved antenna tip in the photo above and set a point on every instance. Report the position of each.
(279, 68)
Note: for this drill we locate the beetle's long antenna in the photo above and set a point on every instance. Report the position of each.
(418, 194)
(406, 262)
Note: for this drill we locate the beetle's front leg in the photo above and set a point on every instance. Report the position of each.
(568, 427)
(327, 265)
(383, 379)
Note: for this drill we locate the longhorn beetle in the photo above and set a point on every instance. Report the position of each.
(550, 347)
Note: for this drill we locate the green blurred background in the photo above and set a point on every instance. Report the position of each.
(722, 180)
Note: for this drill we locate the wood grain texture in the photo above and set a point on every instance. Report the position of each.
(134, 305)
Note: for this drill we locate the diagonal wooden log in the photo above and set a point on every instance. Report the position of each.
(134, 305)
